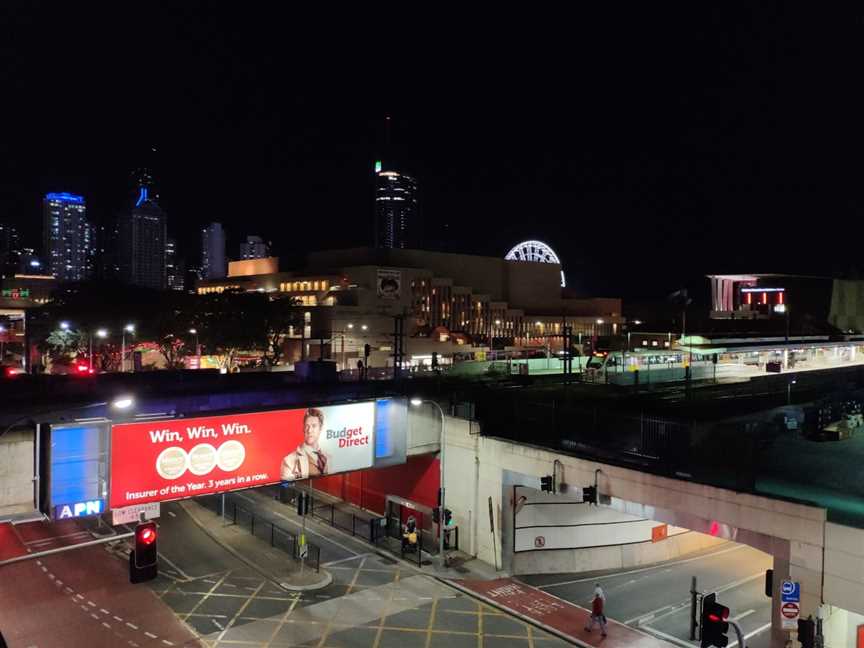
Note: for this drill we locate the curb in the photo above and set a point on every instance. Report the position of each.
(328, 577)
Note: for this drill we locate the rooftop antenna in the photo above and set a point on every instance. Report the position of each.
(387, 130)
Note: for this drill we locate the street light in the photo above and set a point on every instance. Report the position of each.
(2, 350)
(416, 401)
(350, 326)
(102, 333)
(123, 402)
(789, 391)
(129, 328)
(64, 326)
(194, 331)
(365, 327)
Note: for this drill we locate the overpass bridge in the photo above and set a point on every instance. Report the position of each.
(703, 464)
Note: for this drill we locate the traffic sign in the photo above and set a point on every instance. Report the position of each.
(790, 591)
(789, 613)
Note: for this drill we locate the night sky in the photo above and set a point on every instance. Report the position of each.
(648, 147)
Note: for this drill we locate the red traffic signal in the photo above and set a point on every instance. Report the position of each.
(143, 559)
(714, 622)
(146, 535)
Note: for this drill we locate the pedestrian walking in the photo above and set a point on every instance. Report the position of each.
(597, 613)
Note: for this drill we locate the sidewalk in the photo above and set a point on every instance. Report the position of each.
(270, 561)
(462, 565)
(555, 615)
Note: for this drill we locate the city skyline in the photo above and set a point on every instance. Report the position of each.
(653, 148)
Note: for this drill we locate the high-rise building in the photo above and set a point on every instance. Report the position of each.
(141, 238)
(396, 208)
(254, 248)
(69, 245)
(9, 247)
(213, 264)
(175, 268)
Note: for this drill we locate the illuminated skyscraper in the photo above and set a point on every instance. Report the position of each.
(142, 235)
(69, 245)
(396, 208)
(213, 264)
(254, 248)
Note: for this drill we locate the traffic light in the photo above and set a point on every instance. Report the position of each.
(367, 350)
(807, 633)
(303, 503)
(589, 494)
(546, 484)
(448, 515)
(143, 560)
(714, 623)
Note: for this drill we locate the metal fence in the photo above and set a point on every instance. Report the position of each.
(263, 529)
(370, 527)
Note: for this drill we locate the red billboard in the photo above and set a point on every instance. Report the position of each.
(165, 460)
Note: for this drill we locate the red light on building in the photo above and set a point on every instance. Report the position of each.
(780, 297)
(764, 297)
(749, 298)
(714, 529)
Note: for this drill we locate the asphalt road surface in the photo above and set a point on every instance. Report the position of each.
(657, 599)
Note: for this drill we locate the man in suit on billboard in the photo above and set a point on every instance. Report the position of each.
(308, 459)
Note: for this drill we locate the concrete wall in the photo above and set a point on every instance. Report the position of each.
(612, 557)
(792, 532)
(16, 473)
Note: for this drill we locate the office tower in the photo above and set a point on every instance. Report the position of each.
(175, 268)
(396, 208)
(213, 264)
(142, 234)
(254, 248)
(69, 246)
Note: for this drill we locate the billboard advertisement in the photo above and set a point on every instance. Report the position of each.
(389, 283)
(163, 460)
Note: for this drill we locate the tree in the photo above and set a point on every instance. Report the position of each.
(280, 315)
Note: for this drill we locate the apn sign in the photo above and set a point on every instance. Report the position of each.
(79, 509)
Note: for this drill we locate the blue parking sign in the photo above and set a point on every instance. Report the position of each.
(790, 592)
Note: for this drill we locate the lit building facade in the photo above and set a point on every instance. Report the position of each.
(69, 238)
(213, 262)
(254, 248)
(397, 209)
(453, 304)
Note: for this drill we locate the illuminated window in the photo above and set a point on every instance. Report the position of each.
(325, 285)
(315, 285)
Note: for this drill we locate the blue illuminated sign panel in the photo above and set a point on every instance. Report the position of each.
(79, 509)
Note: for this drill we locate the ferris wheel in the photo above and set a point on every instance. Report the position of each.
(536, 252)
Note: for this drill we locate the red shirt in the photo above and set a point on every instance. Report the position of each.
(597, 606)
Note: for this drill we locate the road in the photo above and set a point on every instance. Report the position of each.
(373, 600)
(657, 600)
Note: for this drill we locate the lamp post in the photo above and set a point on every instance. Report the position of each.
(417, 402)
(789, 391)
(2, 341)
(129, 328)
(101, 333)
(194, 331)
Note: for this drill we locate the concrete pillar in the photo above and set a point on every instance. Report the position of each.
(779, 637)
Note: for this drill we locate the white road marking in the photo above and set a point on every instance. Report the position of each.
(341, 560)
(640, 571)
(750, 635)
(95, 616)
(167, 643)
(217, 624)
(104, 611)
(116, 618)
(106, 625)
(668, 637)
(323, 537)
(151, 635)
(742, 615)
(91, 604)
(172, 514)
(132, 625)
